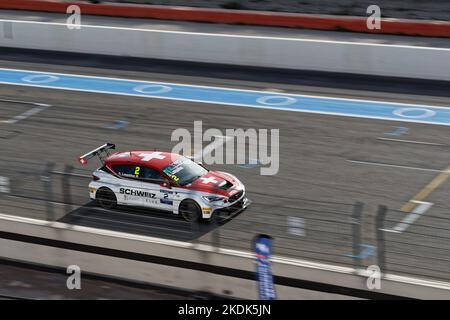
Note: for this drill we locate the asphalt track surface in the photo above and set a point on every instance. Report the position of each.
(327, 163)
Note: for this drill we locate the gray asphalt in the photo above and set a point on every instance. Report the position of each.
(316, 181)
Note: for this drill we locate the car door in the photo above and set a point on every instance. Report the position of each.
(129, 189)
(157, 196)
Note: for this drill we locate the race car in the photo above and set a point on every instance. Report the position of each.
(164, 181)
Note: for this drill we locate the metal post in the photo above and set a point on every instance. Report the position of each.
(216, 232)
(356, 233)
(194, 230)
(379, 224)
(67, 195)
(46, 178)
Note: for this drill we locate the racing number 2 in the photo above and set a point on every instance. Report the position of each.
(137, 170)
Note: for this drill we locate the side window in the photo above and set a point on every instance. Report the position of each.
(151, 174)
(129, 171)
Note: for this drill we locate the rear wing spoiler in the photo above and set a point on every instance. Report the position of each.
(101, 152)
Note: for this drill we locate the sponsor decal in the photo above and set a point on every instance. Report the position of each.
(165, 197)
(137, 193)
(172, 169)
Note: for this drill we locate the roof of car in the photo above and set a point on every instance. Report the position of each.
(152, 158)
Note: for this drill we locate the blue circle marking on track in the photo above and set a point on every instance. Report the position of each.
(252, 163)
(40, 78)
(230, 96)
(279, 100)
(152, 89)
(414, 113)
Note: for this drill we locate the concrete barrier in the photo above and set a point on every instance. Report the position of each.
(191, 266)
(287, 53)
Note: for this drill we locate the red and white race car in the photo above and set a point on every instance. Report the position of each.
(164, 181)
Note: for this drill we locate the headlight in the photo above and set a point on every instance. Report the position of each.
(213, 198)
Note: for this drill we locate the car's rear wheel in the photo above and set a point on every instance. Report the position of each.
(190, 210)
(106, 198)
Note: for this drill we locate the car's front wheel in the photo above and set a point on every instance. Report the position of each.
(106, 198)
(190, 210)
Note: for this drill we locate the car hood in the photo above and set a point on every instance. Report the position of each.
(217, 182)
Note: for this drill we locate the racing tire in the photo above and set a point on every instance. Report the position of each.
(106, 198)
(214, 219)
(190, 210)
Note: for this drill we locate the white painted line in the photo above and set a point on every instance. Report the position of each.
(25, 102)
(394, 166)
(26, 114)
(419, 282)
(412, 217)
(414, 142)
(296, 226)
(90, 230)
(225, 35)
(72, 174)
(4, 185)
(146, 225)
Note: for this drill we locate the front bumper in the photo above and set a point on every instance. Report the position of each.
(232, 210)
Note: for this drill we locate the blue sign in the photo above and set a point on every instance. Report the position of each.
(118, 124)
(263, 251)
(366, 250)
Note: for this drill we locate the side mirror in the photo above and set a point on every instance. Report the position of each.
(165, 184)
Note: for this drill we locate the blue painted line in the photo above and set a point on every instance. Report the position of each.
(236, 97)
(398, 131)
(118, 124)
(366, 251)
(252, 163)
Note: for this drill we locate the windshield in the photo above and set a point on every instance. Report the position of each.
(183, 171)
